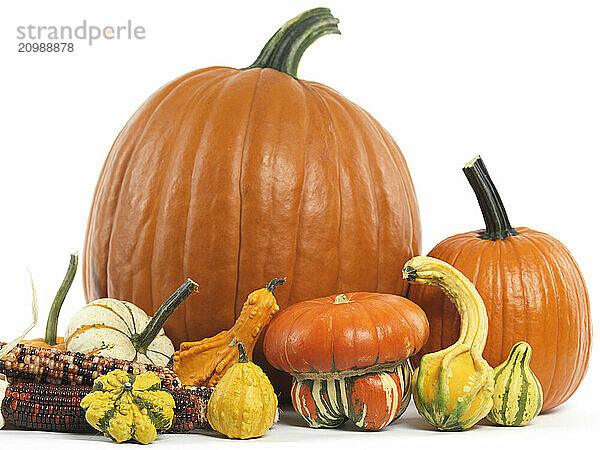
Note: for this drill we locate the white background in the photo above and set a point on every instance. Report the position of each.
(516, 81)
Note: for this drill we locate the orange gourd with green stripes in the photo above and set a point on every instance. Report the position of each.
(371, 401)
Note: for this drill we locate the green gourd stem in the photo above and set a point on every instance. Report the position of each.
(520, 349)
(145, 338)
(497, 225)
(274, 283)
(242, 351)
(286, 47)
(341, 299)
(59, 298)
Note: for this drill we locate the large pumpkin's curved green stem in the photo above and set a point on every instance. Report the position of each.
(59, 298)
(497, 225)
(286, 47)
(142, 341)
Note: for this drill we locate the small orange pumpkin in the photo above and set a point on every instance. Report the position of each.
(532, 288)
(355, 344)
(41, 342)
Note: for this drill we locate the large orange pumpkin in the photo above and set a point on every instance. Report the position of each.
(233, 177)
(532, 288)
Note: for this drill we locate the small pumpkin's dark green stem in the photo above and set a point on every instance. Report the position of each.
(497, 225)
(274, 283)
(59, 298)
(243, 355)
(286, 47)
(409, 273)
(145, 338)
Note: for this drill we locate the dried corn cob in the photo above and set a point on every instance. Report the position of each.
(55, 366)
(49, 407)
(37, 406)
(191, 403)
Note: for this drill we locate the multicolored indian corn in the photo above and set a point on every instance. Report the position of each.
(38, 406)
(56, 366)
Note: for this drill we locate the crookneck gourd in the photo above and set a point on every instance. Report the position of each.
(244, 404)
(119, 329)
(532, 288)
(347, 355)
(129, 407)
(453, 387)
(203, 363)
(517, 394)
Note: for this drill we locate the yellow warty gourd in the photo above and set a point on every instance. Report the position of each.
(243, 404)
(518, 395)
(453, 388)
(129, 407)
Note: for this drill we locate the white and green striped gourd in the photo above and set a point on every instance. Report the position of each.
(518, 395)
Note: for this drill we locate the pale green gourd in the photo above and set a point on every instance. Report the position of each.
(518, 395)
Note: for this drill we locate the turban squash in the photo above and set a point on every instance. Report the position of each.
(532, 288)
(233, 177)
(348, 356)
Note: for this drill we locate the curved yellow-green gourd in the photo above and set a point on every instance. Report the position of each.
(243, 404)
(128, 407)
(453, 388)
(518, 395)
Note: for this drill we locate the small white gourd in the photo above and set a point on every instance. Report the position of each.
(119, 329)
